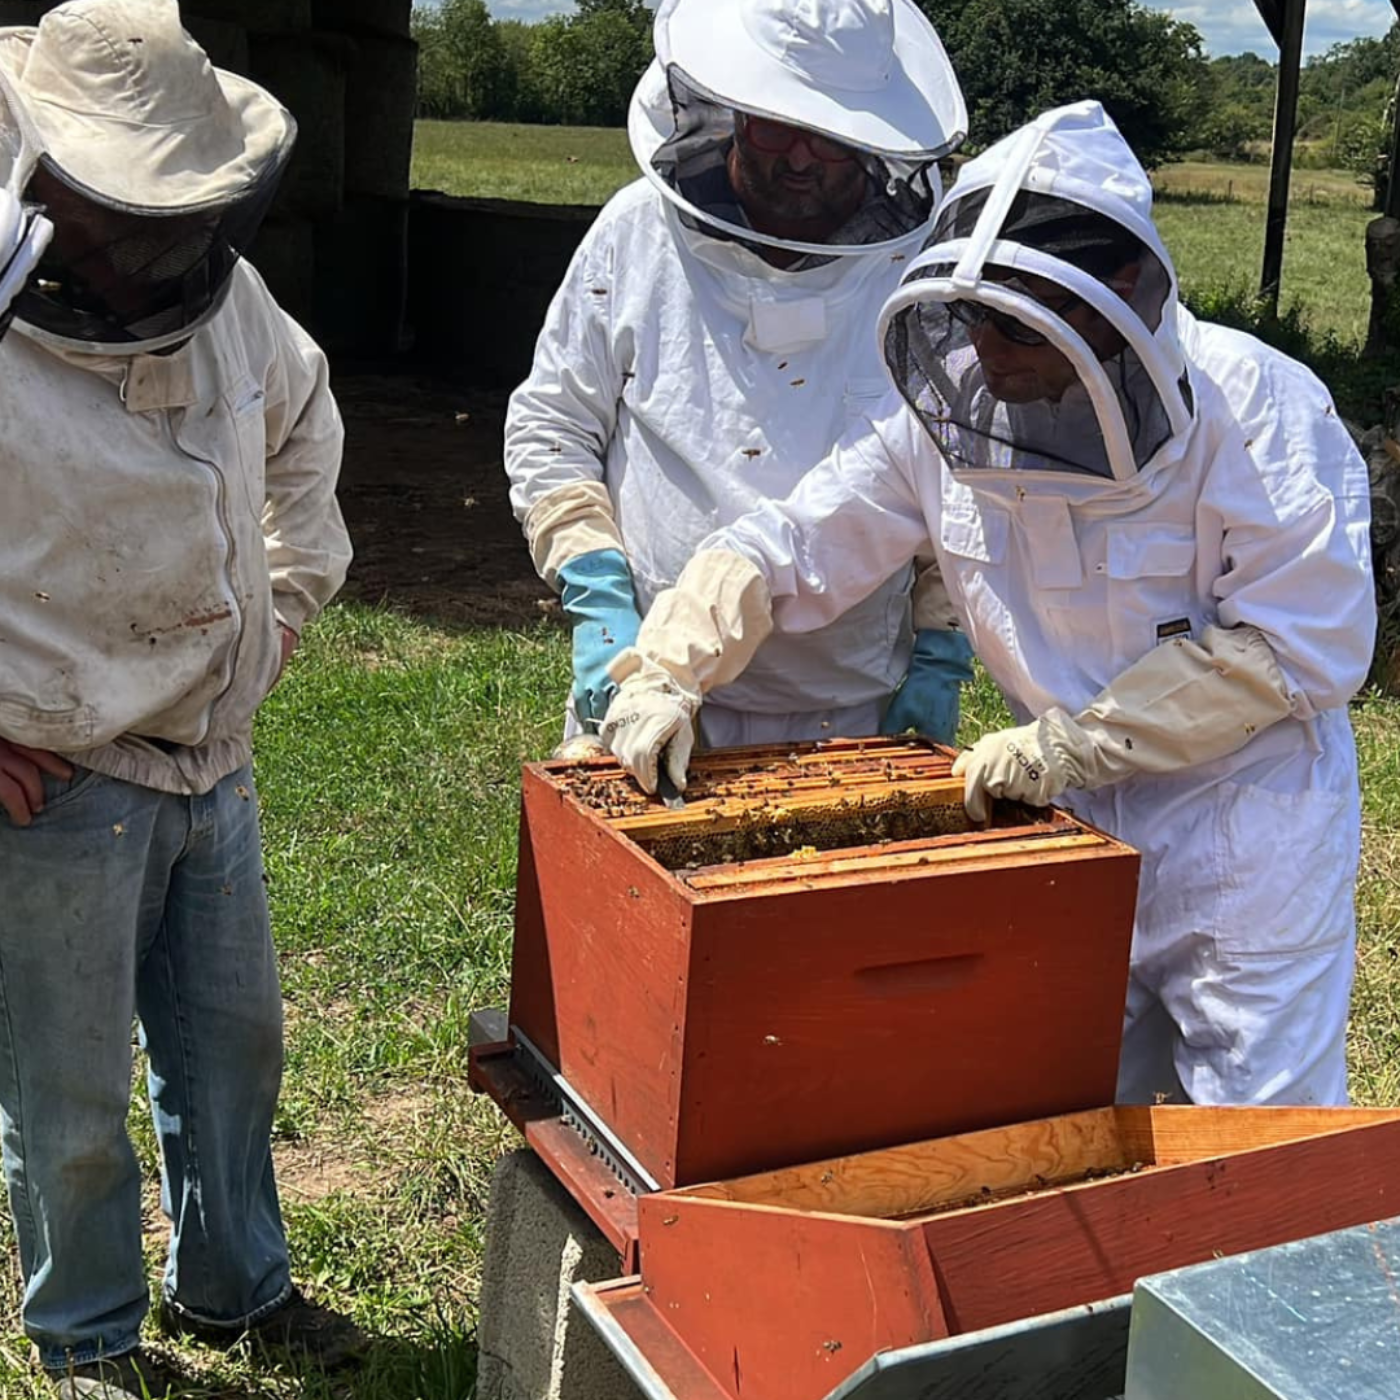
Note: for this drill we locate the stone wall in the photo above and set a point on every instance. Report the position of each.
(334, 249)
(482, 275)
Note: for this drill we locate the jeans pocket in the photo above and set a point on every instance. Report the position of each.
(59, 792)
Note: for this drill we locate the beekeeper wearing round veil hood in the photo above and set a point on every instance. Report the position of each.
(170, 448)
(712, 341)
(1155, 533)
(156, 178)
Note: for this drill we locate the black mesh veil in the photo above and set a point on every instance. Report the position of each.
(997, 375)
(902, 193)
(118, 276)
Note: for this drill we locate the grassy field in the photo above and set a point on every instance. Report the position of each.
(542, 164)
(1211, 215)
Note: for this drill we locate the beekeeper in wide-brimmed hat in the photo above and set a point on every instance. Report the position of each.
(156, 181)
(170, 452)
(714, 338)
(1155, 533)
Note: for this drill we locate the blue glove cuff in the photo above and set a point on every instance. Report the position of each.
(950, 652)
(597, 582)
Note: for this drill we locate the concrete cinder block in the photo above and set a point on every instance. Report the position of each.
(381, 16)
(24, 13)
(284, 252)
(534, 1345)
(362, 276)
(226, 44)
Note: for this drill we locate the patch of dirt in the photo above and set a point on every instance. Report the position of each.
(426, 501)
(342, 1164)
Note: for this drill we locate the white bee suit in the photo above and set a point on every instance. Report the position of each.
(680, 379)
(1251, 512)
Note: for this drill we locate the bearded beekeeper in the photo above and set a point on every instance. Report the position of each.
(1155, 533)
(712, 341)
(170, 452)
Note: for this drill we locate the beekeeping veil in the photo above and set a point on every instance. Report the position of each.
(155, 168)
(869, 74)
(1054, 217)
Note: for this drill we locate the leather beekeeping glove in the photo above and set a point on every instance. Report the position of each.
(1182, 704)
(699, 634)
(927, 698)
(596, 591)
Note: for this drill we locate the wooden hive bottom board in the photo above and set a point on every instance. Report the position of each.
(778, 1286)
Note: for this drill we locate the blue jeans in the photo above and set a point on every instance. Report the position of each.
(121, 901)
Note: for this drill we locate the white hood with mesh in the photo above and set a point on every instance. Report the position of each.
(1068, 167)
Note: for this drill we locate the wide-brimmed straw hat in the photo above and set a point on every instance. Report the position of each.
(872, 73)
(126, 105)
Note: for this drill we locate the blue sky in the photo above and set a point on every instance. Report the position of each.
(1228, 26)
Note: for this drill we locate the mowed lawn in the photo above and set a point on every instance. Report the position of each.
(388, 763)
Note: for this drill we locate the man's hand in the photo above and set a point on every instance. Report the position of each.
(289, 645)
(21, 779)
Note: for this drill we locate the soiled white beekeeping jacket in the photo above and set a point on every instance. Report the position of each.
(695, 382)
(162, 514)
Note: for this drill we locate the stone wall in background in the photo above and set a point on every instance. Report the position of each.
(483, 272)
(335, 247)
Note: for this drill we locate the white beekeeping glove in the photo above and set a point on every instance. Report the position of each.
(1183, 703)
(699, 634)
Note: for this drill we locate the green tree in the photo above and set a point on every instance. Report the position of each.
(463, 66)
(585, 66)
(1016, 58)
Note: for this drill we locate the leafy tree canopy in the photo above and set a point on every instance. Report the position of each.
(1016, 58)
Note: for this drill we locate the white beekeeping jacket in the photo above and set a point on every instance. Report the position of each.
(694, 381)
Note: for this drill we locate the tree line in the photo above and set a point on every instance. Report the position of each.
(1014, 58)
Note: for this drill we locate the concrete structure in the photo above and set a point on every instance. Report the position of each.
(534, 1342)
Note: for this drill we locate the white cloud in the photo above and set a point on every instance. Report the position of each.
(1236, 27)
(529, 10)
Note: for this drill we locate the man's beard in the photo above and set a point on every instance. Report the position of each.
(766, 195)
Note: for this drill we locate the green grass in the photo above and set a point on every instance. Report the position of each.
(1219, 245)
(541, 164)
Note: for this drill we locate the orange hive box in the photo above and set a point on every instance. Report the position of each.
(819, 954)
(778, 1286)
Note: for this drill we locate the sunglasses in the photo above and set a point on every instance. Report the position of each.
(778, 138)
(973, 314)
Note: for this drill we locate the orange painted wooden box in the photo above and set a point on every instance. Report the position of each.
(778, 1286)
(819, 954)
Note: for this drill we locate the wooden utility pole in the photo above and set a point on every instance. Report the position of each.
(1391, 208)
(1285, 21)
